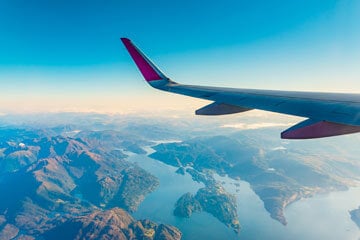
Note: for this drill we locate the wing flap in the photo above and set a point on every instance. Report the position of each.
(311, 128)
(217, 108)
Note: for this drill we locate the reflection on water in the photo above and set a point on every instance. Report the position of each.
(320, 217)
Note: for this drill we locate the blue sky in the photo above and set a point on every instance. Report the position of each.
(66, 55)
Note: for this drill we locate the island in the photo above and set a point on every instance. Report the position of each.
(181, 171)
(212, 199)
(186, 205)
(355, 216)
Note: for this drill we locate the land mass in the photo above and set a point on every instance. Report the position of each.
(52, 182)
(277, 177)
(110, 224)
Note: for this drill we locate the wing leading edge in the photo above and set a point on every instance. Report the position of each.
(329, 114)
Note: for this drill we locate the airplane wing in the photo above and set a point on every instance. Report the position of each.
(328, 114)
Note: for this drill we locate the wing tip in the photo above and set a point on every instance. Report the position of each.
(124, 39)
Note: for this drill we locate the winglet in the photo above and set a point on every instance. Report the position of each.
(146, 67)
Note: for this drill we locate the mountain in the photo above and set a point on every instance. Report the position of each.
(71, 169)
(46, 180)
(110, 224)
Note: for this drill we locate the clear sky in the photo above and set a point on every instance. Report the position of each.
(66, 55)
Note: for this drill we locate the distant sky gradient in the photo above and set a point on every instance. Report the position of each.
(66, 55)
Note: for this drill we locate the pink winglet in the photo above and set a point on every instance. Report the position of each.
(145, 67)
(317, 129)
